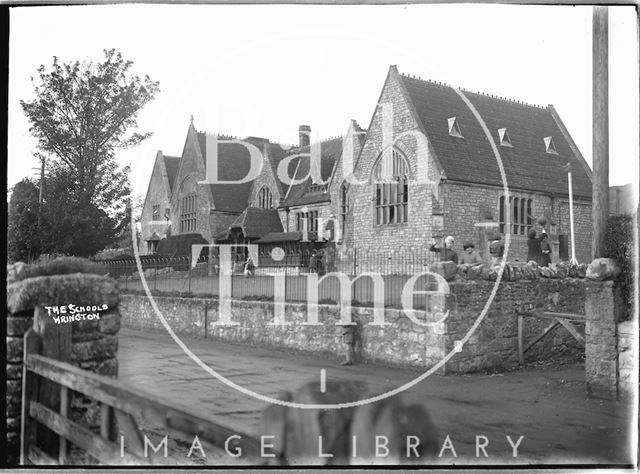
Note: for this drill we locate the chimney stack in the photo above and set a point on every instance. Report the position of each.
(304, 135)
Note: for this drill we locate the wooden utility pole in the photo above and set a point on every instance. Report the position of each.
(42, 159)
(600, 186)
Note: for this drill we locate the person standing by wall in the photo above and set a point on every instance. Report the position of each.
(249, 268)
(349, 341)
(313, 262)
(470, 256)
(545, 250)
(496, 249)
(533, 247)
(446, 252)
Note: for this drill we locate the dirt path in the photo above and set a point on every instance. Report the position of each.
(545, 405)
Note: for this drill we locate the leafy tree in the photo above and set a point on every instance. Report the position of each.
(80, 116)
(71, 226)
(23, 242)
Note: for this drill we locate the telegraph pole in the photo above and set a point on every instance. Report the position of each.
(41, 185)
(43, 160)
(600, 186)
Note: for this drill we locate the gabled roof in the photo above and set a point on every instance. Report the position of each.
(527, 165)
(256, 222)
(330, 151)
(171, 164)
(233, 164)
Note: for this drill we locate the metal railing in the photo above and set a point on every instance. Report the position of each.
(295, 272)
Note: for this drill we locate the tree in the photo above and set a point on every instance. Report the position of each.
(71, 226)
(23, 242)
(80, 116)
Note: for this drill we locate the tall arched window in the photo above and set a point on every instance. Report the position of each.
(391, 184)
(344, 209)
(265, 198)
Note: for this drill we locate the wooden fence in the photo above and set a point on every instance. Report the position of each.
(47, 427)
(569, 321)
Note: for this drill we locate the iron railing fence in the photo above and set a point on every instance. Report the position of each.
(294, 276)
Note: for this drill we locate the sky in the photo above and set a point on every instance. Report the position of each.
(248, 70)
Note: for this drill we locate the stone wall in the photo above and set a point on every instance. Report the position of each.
(157, 194)
(323, 209)
(94, 343)
(464, 204)
(601, 335)
(493, 345)
(417, 230)
(191, 171)
(266, 178)
(403, 342)
(611, 346)
(627, 357)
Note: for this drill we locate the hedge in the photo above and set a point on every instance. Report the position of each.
(620, 247)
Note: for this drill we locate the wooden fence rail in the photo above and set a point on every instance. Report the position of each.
(117, 400)
(567, 320)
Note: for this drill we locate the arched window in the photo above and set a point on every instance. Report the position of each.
(344, 209)
(391, 184)
(265, 198)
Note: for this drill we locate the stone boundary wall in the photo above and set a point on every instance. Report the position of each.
(611, 345)
(494, 345)
(94, 343)
(627, 357)
(401, 342)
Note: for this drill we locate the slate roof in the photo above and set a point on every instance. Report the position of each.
(256, 222)
(330, 151)
(171, 164)
(233, 164)
(470, 159)
(275, 237)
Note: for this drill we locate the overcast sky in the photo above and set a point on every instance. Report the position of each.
(264, 70)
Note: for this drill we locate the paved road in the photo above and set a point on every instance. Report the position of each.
(545, 405)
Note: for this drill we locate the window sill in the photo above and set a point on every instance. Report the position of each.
(386, 226)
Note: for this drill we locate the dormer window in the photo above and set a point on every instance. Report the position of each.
(454, 128)
(504, 137)
(550, 146)
(317, 188)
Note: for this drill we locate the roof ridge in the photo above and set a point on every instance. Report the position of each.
(443, 84)
(224, 136)
(505, 99)
(330, 138)
(418, 78)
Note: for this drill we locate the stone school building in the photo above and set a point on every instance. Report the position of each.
(423, 169)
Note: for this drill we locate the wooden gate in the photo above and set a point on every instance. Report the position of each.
(47, 429)
(569, 321)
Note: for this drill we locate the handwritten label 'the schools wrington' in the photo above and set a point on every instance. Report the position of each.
(70, 313)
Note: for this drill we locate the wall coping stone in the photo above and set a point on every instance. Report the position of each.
(360, 310)
(57, 290)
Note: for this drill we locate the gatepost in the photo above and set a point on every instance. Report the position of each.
(90, 344)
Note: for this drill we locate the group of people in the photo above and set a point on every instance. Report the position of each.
(469, 255)
(538, 250)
